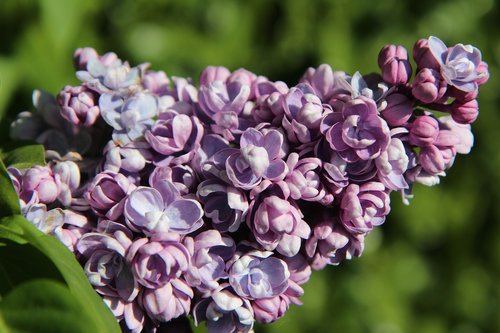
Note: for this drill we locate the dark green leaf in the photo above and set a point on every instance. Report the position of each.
(23, 262)
(22, 156)
(68, 267)
(9, 202)
(44, 306)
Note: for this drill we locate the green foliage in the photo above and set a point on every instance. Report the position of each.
(44, 306)
(22, 155)
(435, 265)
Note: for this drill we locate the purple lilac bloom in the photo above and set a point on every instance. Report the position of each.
(43, 181)
(107, 193)
(277, 222)
(222, 101)
(156, 82)
(303, 178)
(258, 274)
(303, 114)
(357, 132)
(157, 261)
(105, 265)
(129, 118)
(176, 136)
(209, 252)
(269, 102)
(322, 80)
(458, 64)
(169, 301)
(330, 242)
(182, 176)
(161, 209)
(392, 164)
(79, 105)
(224, 204)
(224, 311)
(108, 73)
(69, 176)
(131, 157)
(465, 112)
(257, 159)
(364, 207)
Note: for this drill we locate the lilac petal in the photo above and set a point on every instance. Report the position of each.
(273, 141)
(141, 201)
(276, 170)
(251, 137)
(184, 215)
(437, 48)
(168, 191)
(227, 301)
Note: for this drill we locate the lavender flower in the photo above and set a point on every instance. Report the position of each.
(209, 252)
(69, 176)
(176, 136)
(322, 80)
(257, 274)
(363, 207)
(169, 301)
(303, 179)
(41, 179)
(458, 65)
(392, 164)
(157, 261)
(398, 109)
(257, 158)
(277, 223)
(182, 176)
(357, 132)
(79, 105)
(224, 204)
(130, 118)
(224, 312)
(107, 193)
(161, 209)
(105, 266)
(303, 114)
(330, 243)
(131, 157)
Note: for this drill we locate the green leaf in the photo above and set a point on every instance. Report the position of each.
(69, 268)
(21, 263)
(21, 155)
(9, 202)
(44, 306)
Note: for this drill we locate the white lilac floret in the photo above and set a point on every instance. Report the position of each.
(217, 201)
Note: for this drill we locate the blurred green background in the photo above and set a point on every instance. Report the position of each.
(435, 265)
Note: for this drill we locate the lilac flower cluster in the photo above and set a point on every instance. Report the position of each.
(216, 201)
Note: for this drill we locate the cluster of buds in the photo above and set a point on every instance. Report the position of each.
(218, 201)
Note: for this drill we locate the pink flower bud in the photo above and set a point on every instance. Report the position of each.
(428, 86)
(398, 111)
(423, 56)
(464, 113)
(424, 131)
(393, 61)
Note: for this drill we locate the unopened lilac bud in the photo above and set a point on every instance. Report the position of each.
(423, 56)
(81, 57)
(398, 110)
(394, 63)
(42, 180)
(424, 131)
(214, 73)
(483, 73)
(428, 86)
(465, 113)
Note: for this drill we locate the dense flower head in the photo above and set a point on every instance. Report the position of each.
(218, 200)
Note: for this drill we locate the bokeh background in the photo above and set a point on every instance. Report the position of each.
(433, 266)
